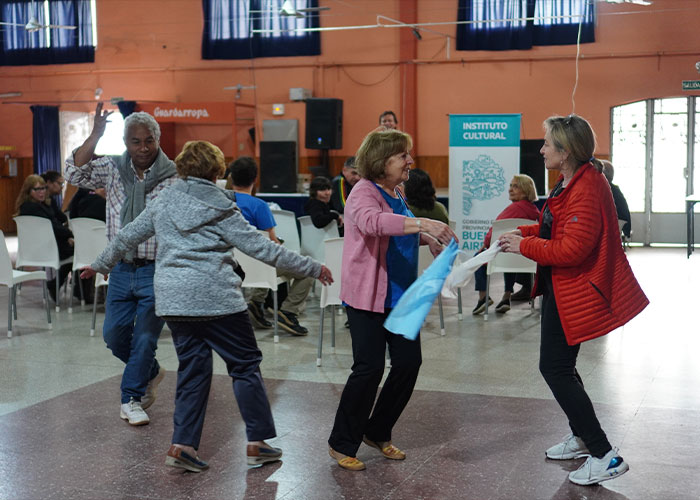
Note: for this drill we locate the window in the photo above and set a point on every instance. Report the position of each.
(520, 24)
(27, 38)
(229, 25)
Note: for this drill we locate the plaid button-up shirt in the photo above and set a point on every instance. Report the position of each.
(103, 173)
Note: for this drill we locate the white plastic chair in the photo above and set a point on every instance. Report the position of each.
(286, 229)
(507, 262)
(11, 277)
(260, 275)
(330, 295)
(425, 258)
(100, 281)
(37, 246)
(90, 239)
(312, 238)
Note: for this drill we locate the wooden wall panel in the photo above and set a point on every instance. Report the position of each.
(9, 189)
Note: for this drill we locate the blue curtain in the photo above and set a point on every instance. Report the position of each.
(19, 47)
(499, 34)
(47, 139)
(228, 26)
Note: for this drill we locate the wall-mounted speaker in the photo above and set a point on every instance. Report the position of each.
(324, 123)
(278, 166)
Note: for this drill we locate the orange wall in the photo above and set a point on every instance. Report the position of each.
(154, 54)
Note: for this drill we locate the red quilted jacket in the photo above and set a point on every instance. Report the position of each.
(594, 286)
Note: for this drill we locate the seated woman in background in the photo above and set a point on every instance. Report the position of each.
(33, 200)
(420, 195)
(318, 206)
(522, 194)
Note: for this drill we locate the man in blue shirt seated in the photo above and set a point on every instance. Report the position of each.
(244, 173)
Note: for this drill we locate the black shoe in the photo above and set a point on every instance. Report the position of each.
(503, 306)
(51, 285)
(481, 306)
(347, 324)
(521, 295)
(257, 315)
(289, 322)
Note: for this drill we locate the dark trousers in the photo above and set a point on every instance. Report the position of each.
(233, 339)
(509, 279)
(369, 340)
(558, 367)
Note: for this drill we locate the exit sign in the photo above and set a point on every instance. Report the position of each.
(691, 84)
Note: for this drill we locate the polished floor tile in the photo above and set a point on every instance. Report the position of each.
(476, 427)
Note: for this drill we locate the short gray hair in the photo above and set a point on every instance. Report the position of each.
(142, 118)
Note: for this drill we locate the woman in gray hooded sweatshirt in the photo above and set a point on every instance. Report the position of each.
(198, 293)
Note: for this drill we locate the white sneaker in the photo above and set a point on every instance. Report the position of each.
(133, 412)
(596, 470)
(150, 396)
(571, 447)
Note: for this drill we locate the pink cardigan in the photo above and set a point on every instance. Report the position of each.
(369, 222)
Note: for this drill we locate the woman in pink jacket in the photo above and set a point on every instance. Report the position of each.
(587, 285)
(380, 261)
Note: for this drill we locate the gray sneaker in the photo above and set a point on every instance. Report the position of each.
(133, 413)
(596, 470)
(149, 398)
(571, 447)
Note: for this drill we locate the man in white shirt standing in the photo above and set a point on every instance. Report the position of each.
(132, 180)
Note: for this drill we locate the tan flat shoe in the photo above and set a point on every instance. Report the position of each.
(388, 450)
(346, 462)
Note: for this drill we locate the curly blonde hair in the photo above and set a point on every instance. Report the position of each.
(200, 159)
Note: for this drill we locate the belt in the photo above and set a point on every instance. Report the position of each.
(140, 262)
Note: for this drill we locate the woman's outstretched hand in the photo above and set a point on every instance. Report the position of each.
(87, 272)
(510, 242)
(326, 278)
(438, 230)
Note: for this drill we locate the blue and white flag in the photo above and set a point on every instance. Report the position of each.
(413, 307)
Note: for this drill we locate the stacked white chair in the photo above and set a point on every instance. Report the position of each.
(507, 262)
(286, 229)
(11, 278)
(90, 239)
(260, 275)
(330, 295)
(312, 238)
(37, 246)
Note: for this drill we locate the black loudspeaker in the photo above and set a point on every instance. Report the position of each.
(324, 124)
(278, 166)
(532, 163)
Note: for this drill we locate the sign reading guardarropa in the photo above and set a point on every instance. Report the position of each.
(484, 157)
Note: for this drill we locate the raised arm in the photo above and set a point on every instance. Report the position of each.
(80, 169)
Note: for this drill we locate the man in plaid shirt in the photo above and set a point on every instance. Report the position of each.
(131, 328)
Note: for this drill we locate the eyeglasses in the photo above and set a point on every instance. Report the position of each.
(42, 188)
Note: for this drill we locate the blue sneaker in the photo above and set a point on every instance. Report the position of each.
(596, 470)
(183, 460)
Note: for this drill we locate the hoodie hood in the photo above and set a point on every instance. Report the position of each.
(206, 203)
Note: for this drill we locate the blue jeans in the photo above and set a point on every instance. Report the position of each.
(131, 328)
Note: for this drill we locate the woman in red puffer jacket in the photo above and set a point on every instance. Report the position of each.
(587, 285)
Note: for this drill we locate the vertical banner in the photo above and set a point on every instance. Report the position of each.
(484, 157)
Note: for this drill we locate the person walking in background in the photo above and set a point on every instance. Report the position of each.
(380, 261)
(131, 181)
(244, 173)
(420, 196)
(587, 285)
(522, 194)
(199, 294)
(33, 200)
(342, 185)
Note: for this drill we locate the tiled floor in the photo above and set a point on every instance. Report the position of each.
(476, 427)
